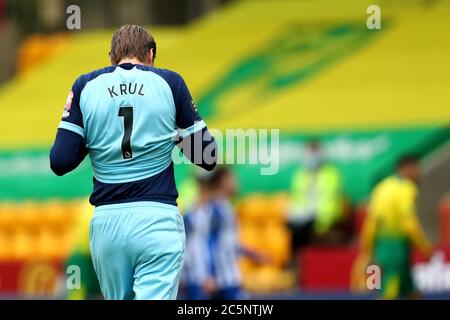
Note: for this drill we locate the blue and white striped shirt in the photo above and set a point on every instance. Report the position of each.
(211, 245)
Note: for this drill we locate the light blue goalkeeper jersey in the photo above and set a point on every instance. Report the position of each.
(129, 116)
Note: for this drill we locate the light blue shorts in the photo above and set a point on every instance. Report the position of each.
(137, 250)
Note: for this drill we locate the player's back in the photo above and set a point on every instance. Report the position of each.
(226, 246)
(197, 263)
(130, 116)
(391, 203)
(129, 122)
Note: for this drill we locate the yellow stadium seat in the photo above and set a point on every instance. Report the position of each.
(46, 244)
(263, 228)
(8, 214)
(5, 245)
(252, 208)
(277, 243)
(277, 207)
(65, 241)
(21, 245)
(29, 216)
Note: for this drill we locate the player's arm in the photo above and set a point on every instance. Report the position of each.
(254, 255)
(417, 235)
(194, 139)
(69, 148)
(412, 224)
(68, 151)
(200, 148)
(368, 233)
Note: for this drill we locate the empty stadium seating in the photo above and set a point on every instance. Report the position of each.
(263, 228)
(43, 231)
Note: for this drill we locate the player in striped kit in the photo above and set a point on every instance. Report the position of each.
(213, 246)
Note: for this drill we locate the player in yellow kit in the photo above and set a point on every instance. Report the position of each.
(392, 229)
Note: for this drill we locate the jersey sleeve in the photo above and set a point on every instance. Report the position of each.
(407, 200)
(72, 118)
(188, 120)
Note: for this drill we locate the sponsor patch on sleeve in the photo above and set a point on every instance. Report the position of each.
(68, 105)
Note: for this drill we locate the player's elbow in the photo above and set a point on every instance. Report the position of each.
(201, 152)
(57, 164)
(58, 169)
(209, 167)
(210, 156)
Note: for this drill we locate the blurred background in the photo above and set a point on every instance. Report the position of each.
(311, 69)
